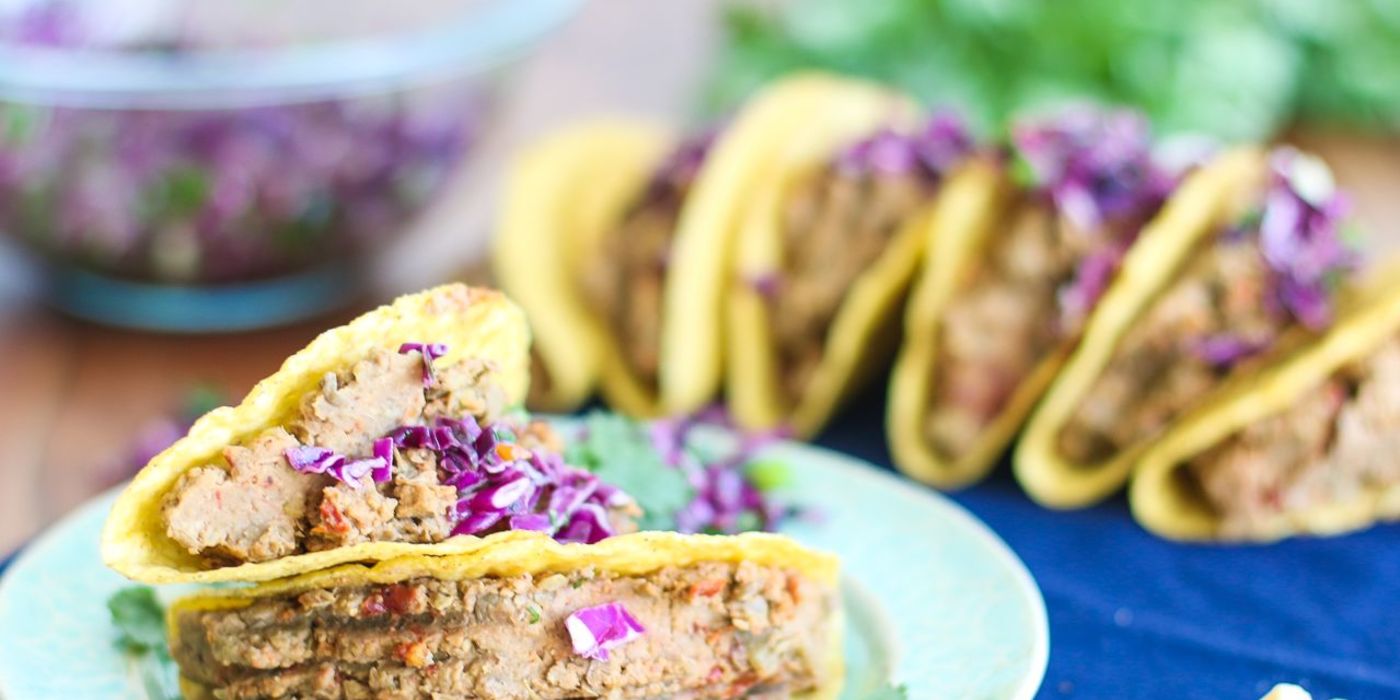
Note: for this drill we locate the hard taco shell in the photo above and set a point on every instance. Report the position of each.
(517, 552)
(851, 109)
(746, 155)
(1164, 503)
(563, 194)
(1190, 217)
(477, 323)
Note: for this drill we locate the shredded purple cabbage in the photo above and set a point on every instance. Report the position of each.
(499, 482)
(1300, 236)
(1095, 165)
(430, 352)
(221, 194)
(766, 284)
(1225, 350)
(1091, 278)
(309, 459)
(1097, 168)
(593, 631)
(724, 496)
(932, 150)
(678, 170)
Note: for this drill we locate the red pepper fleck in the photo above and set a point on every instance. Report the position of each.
(706, 588)
(332, 520)
(400, 598)
(742, 685)
(373, 605)
(794, 589)
(716, 673)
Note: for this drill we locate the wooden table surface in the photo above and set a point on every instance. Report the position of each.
(73, 396)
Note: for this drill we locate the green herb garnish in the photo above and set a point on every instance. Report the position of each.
(621, 453)
(139, 619)
(1239, 70)
(534, 613)
(140, 622)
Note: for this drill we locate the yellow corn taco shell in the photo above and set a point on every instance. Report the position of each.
(1195, 212)
(562, 194)
(851, 109)
(1168, 504)
(746, 156)
(517, 553)
(477, 323)
(963, 224)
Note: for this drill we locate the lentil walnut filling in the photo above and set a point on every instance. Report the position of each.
(1004, 322)
(626, 281)
(1330, 448)
(712, 630)
(1235, 298)
(260, 507)
(836, 224)
(1093, 185)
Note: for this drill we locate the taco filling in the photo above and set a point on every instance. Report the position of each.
(1094, 184)
(391, 449)
(709, 630)
(1275, 268)
(626, 281)
(1333, 447)
(837, 222)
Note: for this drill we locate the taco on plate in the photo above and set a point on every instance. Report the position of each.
(828, 245)
(1195, 313)
(1306, 447)
(521, 616)
(391, 435)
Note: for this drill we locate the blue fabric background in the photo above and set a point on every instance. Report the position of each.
(1133, 617)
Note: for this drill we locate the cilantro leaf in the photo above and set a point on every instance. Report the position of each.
(1287, 60)
(140, 622)
(139, 619)
(620, 452)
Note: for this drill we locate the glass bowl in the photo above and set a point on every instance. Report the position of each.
(224, 164)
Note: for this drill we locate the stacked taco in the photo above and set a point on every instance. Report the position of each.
(1199, 309)
(411, 534)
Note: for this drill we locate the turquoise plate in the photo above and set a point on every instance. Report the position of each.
(934, 600)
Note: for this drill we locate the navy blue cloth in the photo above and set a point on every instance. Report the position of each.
(1133, 616)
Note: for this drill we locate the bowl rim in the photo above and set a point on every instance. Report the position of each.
(476, 42)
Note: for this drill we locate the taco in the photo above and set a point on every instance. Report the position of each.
(391, 435)
(523, 617)
(1307, 447)
(1022, 251)
(1198, 311)
(828, 245)
(562, 195)
(656, 277)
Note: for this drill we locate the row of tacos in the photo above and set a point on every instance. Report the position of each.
(1081, 284)
(386, 522)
